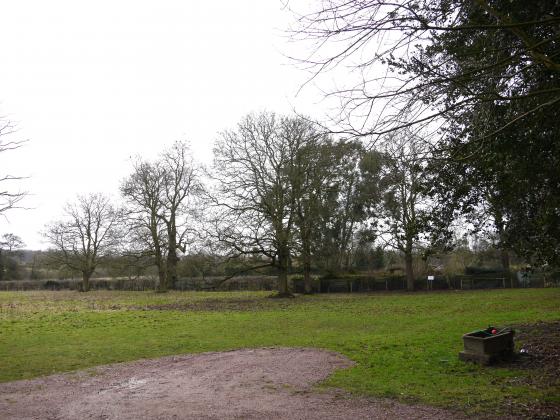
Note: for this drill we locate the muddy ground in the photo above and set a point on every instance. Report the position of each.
(538, 355)
(248, 384)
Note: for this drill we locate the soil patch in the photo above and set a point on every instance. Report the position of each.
(539, 348)
(261, 383)
(538, 353)
(220, 305)
(206, 305)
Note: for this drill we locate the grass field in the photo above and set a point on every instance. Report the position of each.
(405, 345)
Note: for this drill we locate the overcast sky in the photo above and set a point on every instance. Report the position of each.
(91, 84)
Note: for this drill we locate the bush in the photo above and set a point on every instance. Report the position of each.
(51, 285)
(482, 270)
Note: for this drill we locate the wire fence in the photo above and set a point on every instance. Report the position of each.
(349, 284)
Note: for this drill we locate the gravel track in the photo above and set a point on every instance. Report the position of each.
(268, 383)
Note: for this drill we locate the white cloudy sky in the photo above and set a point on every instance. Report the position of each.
(91, 84)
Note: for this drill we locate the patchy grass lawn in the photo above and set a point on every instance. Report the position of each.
(405, 345)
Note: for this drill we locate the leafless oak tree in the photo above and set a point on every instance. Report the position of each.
(256, 202)
(90, 231)
(147, 233)
(181, 189)
(162, 207)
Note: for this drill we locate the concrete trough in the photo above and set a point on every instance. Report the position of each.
(485, 348)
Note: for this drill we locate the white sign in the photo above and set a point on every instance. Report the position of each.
(430, 278)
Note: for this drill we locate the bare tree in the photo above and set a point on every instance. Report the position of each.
(410, 62)
(147, 233)
(9, 198)
(181, 188)
(162, 206)
(89, 233)
(11, 242)
(256, 202)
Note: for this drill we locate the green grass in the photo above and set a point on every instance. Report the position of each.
(405, 345)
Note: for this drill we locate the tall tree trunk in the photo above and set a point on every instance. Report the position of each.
(86, 274)
(408, 268)
(172, 267)
(162, 278)
(172, 252)
(306, 256)
(504, 256)
(283, 255)
(347, 261)
(307, 284)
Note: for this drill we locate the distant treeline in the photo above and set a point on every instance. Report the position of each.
(37, 265)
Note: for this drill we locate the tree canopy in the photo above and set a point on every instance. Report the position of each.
(482, 76)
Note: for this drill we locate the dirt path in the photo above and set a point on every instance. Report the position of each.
(261, 383)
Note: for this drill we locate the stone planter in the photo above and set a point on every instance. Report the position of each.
(484, 348)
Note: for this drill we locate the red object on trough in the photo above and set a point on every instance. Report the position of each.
(486, 348)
